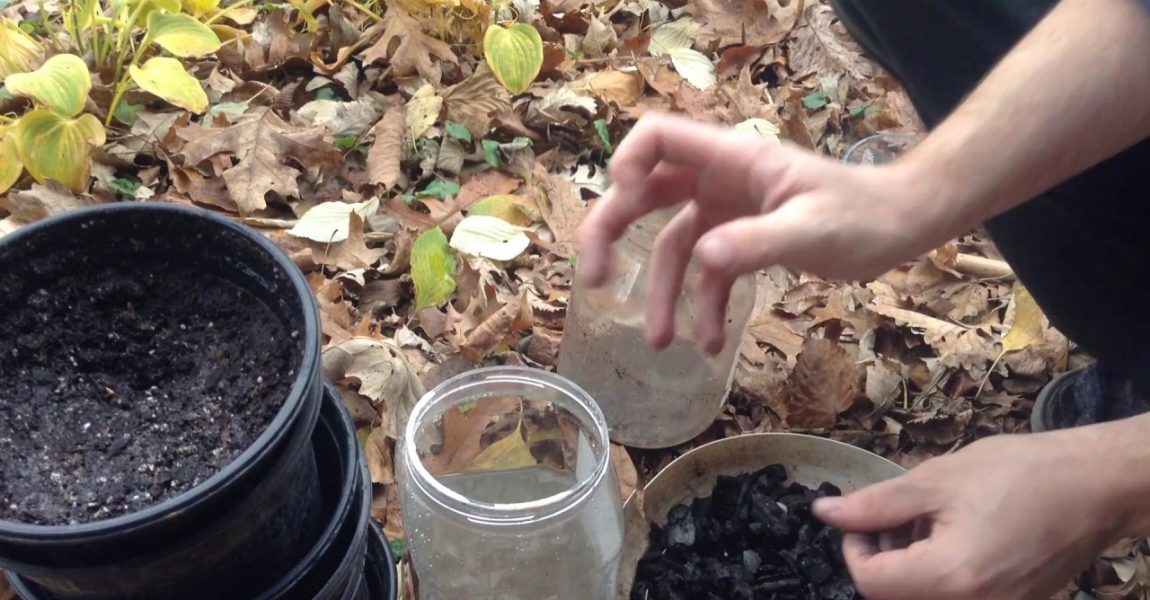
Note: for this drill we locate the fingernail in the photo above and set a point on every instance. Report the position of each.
(827, 507)
(715, 253)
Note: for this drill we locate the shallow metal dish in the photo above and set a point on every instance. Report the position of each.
(810, 460)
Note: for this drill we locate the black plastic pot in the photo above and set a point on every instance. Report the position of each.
(350, 559)
(240, 530)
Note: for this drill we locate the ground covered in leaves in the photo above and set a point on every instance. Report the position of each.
(434, 212)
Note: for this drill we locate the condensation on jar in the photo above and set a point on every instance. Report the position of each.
(508, 492)
(650, 398)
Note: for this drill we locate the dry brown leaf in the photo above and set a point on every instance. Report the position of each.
(386, 153)
(382, 374)
(819, 49)
(659, 75)
(205, 191)
(6, 591)
(335, 314)
(484, 184)
(42, 201)
(770, 330)
(625, 472)
(611, 85)
(882, 385)
(414, 49)
(475, 101)
(462, 433)
(263, 144)
(349, 254)
(751, 22)
(275, 43)
(377, 451)
(495, 329)
(544, 346)
(562, 209)
(735, 59)
(823, 384)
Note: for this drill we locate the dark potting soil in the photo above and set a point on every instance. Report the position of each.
(753, 538)
(123, 387)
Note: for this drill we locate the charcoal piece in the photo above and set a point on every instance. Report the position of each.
(753, 538)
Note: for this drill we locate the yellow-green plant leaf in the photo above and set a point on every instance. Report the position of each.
(18, 51)
(182, 35)
(489, 237)
(10, 163)
(61, 83)
(672, 36)
(58, 148)
(1027, 328)
(515, 55)
(694, 66)
(511, 452)
(331, 221)
(503, 206)
(200, 7)
(165, 77)
(432, 269)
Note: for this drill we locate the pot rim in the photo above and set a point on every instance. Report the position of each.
(273, 434)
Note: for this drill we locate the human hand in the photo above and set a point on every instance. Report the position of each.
(1013, 517)
(751, 203)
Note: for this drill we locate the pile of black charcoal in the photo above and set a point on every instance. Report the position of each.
(754, 538)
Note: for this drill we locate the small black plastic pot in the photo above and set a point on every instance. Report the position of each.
(350, 559)
(237, 532)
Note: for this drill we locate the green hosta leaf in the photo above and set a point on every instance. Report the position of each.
(330, 221)
(182, 35)
(502, 206)
(815, 101)
(432, 269)
(694, 66)
(10, 163)
(458, 131)
(515, 55)
(126, 187)
(165, 77)
(61, 83)
(126, 112)
(18, 51)
(489, 237)
(399, 549)
(604, 135)
(441, 189)
(491, 153)
(58, 148)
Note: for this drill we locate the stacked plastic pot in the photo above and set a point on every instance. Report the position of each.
(287, 518)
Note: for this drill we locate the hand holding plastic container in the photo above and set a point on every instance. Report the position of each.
(536, 515)
(651, 398)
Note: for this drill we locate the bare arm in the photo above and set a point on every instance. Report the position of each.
(1074, 92)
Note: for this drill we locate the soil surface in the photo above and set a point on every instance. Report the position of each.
(123, 387)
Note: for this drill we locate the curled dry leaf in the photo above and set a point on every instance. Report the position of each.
(380, 373)
(496, 329)
(562, 209)
(386, 154)
(378, 451)
(475, 101)
(544, 346)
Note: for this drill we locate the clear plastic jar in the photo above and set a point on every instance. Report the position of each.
(490, 516)
(651, 398)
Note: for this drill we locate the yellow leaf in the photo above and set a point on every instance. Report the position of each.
(515, 55)
(182, 35)
(58, 148)
(201, 7)
(503, 206)
(166, 78)
(432, 269)
(18, 51)
(10, 163)
(510, 452)
(61, 83)
(1027, 328)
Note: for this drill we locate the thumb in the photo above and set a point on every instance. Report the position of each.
(877, 508)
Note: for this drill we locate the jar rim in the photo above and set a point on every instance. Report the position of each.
(496, 513)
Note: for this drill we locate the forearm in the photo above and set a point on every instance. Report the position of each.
(1073, 92)
(1118, 468)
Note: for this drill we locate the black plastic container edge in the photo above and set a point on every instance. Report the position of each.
(25, 548)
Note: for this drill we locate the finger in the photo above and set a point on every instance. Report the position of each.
(912, 572)
(876, 508)
(744, 245)
(670, 256)
(661, 137)
(618, 209)
(714, 292)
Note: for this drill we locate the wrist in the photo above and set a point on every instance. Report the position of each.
(930, 202)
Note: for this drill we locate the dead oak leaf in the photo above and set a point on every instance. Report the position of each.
(205, 191)
(819, 48)
(484, 184)
(42, 201)
(512, 317)
(823, 384)
(749, 22)
(350, 254)
(381, 373)
(262, 143)
(407, 48)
